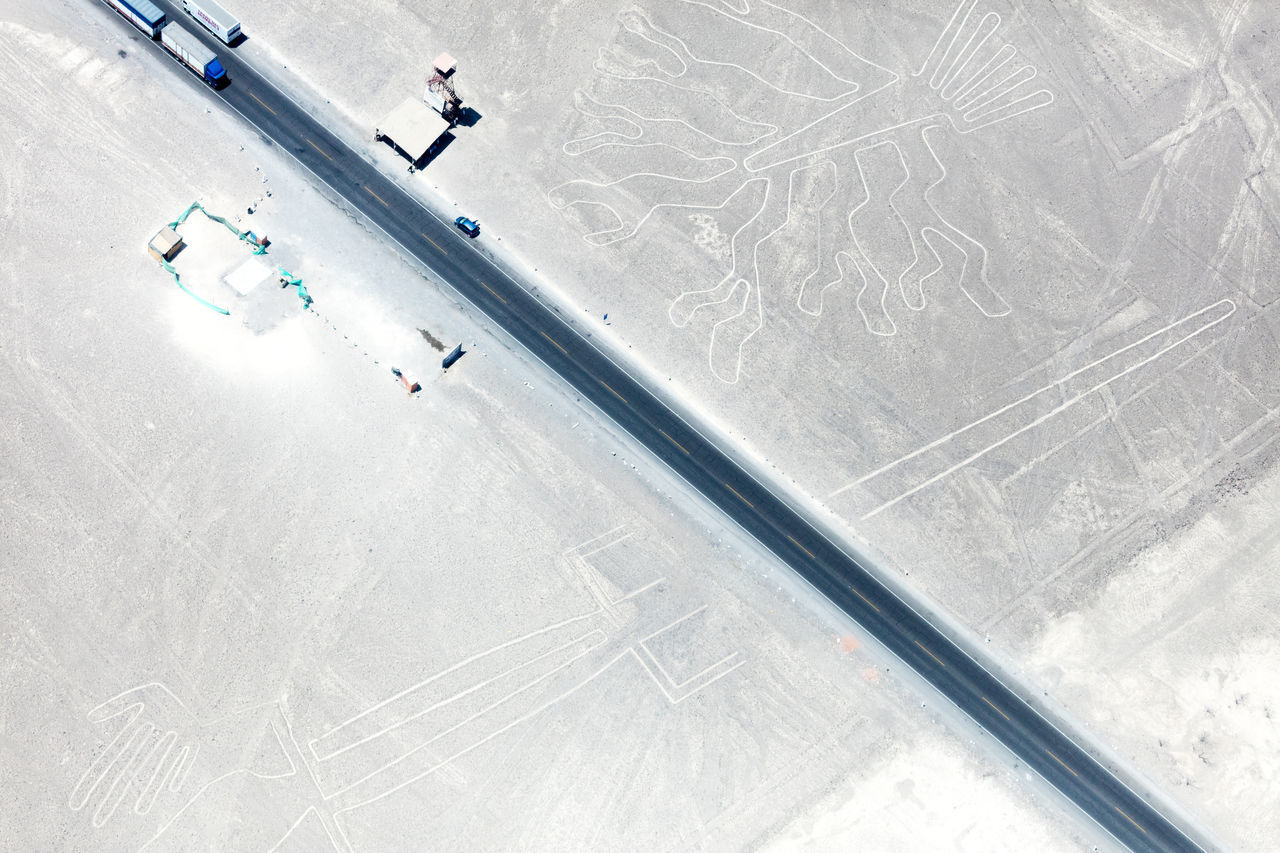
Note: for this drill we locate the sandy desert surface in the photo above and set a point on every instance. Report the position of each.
(992, 284)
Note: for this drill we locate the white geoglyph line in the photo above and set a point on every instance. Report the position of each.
(650, 585)
(1025, 74)
(982, 272)
(595, 539)
(622, 227)
(371, 709)
(968, 52)
(477, 744)
(733, 258)
(291, 771)
(857, 157)
(973, 92)
(182, 769)
(164, 769)
(1056, 410)
(746, 11)
(579, 144)
(716, 671)
(601, 67)
(597, 547)
(664, 176)
(1113, 18)
(934, 82)
(76, 801)
(120, 784)
(771, 128)
(199, 793)
(596, 550)
(675, 685)
(842, 257)
(460, 724)
(764, 81)
(924, 232)
(835, 178)
(310, 810)
(844, 143)
(627, 24)
(1005, 55)
(734, 281)
(915, 252)
(671, 625)
(746, 164)
(1054, 384)
(753, 291)
(677, 699)
(1042, 98)
(462, 694)
(968, 99)
(938, 41)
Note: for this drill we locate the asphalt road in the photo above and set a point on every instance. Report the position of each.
(678, 442)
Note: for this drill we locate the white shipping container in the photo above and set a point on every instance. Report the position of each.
(143, 14)
(213, 18)
(187, 47)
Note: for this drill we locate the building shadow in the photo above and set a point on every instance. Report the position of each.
(437, 148)
(468, 117)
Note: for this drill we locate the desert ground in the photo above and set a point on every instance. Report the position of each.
(993, 285)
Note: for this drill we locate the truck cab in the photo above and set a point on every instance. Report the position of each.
(215, 75)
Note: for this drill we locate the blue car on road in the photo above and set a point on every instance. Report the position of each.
(470, 227)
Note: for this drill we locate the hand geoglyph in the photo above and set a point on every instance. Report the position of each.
(170, 779)
(158, 745)
(161, 770)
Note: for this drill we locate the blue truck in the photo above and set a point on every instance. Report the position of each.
(143, 14)
(188, 50)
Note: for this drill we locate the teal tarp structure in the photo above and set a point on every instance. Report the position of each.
(287, 278)
(247, 237)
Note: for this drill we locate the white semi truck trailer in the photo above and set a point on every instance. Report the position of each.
(213, 18)
(188, 50)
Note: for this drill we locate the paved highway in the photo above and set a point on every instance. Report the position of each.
(678, 442)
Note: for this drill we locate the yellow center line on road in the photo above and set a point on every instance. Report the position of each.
(611, 391)
(1063, 763)
(323, 153)
(437, 245)
(864, 598)
(801, 547)
(932, 655)
(997, 710)
(1131, 820)
(557, 346)
(740, 497)
(264, 105)
(673, 441)
(375, 195)
(490, 289)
